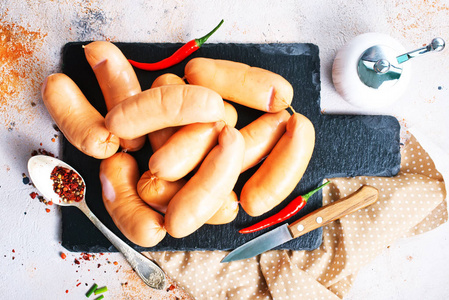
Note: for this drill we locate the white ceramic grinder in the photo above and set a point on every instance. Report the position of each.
(370, 71)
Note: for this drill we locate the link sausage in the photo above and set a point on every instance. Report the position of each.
(165, 106)
(157, 192)
(82, 125)
(281, 171)
(116, 78)
(159, 137)
(203, 194)
(262, 135)
(186, 148)
(227, 212)
(237, 82)
(135, 219)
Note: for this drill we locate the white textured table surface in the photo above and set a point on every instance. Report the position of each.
(32, 33)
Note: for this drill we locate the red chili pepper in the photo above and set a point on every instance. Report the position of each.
(176, 57)
(291, 209)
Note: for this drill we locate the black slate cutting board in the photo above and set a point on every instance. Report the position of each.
(346, 145)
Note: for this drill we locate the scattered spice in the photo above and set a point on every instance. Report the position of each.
(77, 261)
(33, 195)
(42, 199)
(78, 284)
(115, 263)
(63, 255)
(67, 184)
(42, 152)
(25, 179)
(47, 210)
(20, 65)
(86, 256)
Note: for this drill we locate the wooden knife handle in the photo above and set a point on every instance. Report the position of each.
(363, 197)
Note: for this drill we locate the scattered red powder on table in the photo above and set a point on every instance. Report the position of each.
(20, 70)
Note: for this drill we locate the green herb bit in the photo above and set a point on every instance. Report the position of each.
(91, 290)
(101, 290)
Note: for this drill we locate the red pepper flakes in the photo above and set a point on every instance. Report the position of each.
(66, 291)
(115, 263)
(25, 179)
(67, 184)
(50, 202)
(47, 210)
(33, 195)
(77, 261)
(13, 251)
(78, 284)
(63, 255)
(42, 151)
(86, 256)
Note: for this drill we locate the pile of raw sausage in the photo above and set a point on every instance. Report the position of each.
(191, 131)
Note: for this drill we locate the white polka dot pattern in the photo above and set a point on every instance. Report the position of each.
(410, 203)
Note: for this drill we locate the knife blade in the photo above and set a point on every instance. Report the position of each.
(363, 197)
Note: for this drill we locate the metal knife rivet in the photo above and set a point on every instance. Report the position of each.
(319, 220)
(300, 227)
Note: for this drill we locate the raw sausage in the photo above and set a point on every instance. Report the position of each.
(203, 194)
(282, 169)
(159, 137)
(116, 78)
(261, 136)
(135, 219)
(165, 106)
(250, 86)
(167, 78)
(79, 121)
(185, 150)
(227, 212)
(157, 192)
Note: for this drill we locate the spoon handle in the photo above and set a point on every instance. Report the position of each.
(147, 270)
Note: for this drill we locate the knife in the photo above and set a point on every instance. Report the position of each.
(363, 197)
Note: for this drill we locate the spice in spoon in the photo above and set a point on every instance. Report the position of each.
(67, 184)
(290, 210)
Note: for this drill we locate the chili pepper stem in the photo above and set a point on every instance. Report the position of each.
(199, 42)
(309, 194)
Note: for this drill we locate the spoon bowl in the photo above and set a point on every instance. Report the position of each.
(40, 168)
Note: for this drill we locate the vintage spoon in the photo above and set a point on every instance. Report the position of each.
(40, 168)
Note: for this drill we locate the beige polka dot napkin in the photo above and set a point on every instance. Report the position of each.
(410, 203)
